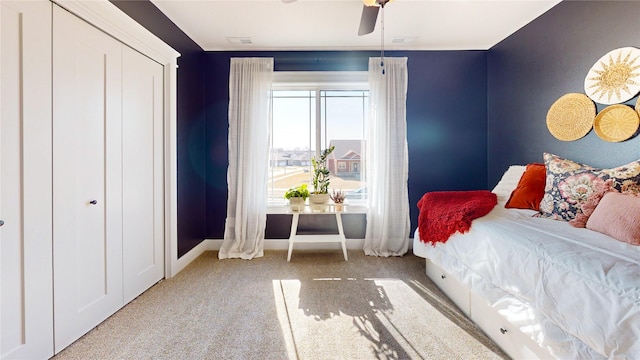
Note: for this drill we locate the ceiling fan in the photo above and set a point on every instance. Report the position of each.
(369, 17)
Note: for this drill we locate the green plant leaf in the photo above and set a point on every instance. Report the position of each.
(321, 172)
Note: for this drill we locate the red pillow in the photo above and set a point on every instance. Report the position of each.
(530, 189)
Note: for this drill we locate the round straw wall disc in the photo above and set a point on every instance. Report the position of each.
(571, 117)
(616, 123)
(615, 77)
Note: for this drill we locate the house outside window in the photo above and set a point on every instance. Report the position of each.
(312, 111)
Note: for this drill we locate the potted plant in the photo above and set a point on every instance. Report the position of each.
(320, 193)
(338, 198)
(297, 196)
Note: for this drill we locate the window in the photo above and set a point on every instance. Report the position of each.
(311, 112)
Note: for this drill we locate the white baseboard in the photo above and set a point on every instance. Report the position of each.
(193, 254)
(283, 244)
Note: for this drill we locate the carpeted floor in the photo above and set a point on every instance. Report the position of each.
(315, 307)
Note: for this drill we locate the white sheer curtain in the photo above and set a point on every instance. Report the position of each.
(249, 116)
(388, 222)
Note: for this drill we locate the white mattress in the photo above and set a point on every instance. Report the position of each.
(574, 291)
(419, 247)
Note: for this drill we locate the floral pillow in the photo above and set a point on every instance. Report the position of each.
(589, 206)
(569, 184)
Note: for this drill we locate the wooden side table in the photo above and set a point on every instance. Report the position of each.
(318, 238)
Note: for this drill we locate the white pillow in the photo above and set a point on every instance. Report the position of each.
(508, 182)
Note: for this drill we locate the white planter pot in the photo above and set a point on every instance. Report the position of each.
(297, 203)
(319, 198)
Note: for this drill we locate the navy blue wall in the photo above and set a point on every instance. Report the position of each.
(190, 121)
(446, 119)
(446, 116)
(470, 114)
(530, 70)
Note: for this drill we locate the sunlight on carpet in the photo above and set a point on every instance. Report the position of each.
(372, 316)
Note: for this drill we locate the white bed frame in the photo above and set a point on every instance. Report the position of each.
(507, 336)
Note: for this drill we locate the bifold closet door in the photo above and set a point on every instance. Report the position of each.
(87, 176)
(142, 165)
(26, 307)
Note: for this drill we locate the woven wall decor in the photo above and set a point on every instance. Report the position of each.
(616, 123)
(615, 78)
(571, 117)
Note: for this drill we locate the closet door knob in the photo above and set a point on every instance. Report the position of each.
(93, 202)
(1, 222)
(503, 330)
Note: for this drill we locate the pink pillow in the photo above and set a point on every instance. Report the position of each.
(586, 209)
(617, 215)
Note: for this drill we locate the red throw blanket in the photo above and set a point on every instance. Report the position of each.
(442, 213)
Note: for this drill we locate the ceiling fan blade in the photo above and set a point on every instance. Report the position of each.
(288, 1)
(368, 20)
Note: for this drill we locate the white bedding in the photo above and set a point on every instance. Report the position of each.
(574, 291)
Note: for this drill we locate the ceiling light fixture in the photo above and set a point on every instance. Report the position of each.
(376, 2)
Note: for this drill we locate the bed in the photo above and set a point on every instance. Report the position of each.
(541, 288)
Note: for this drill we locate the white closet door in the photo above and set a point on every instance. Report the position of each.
(87, 176)
(142, 196)
(26, 306)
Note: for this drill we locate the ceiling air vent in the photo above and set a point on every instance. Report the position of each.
(239, 40)
(404, 39)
